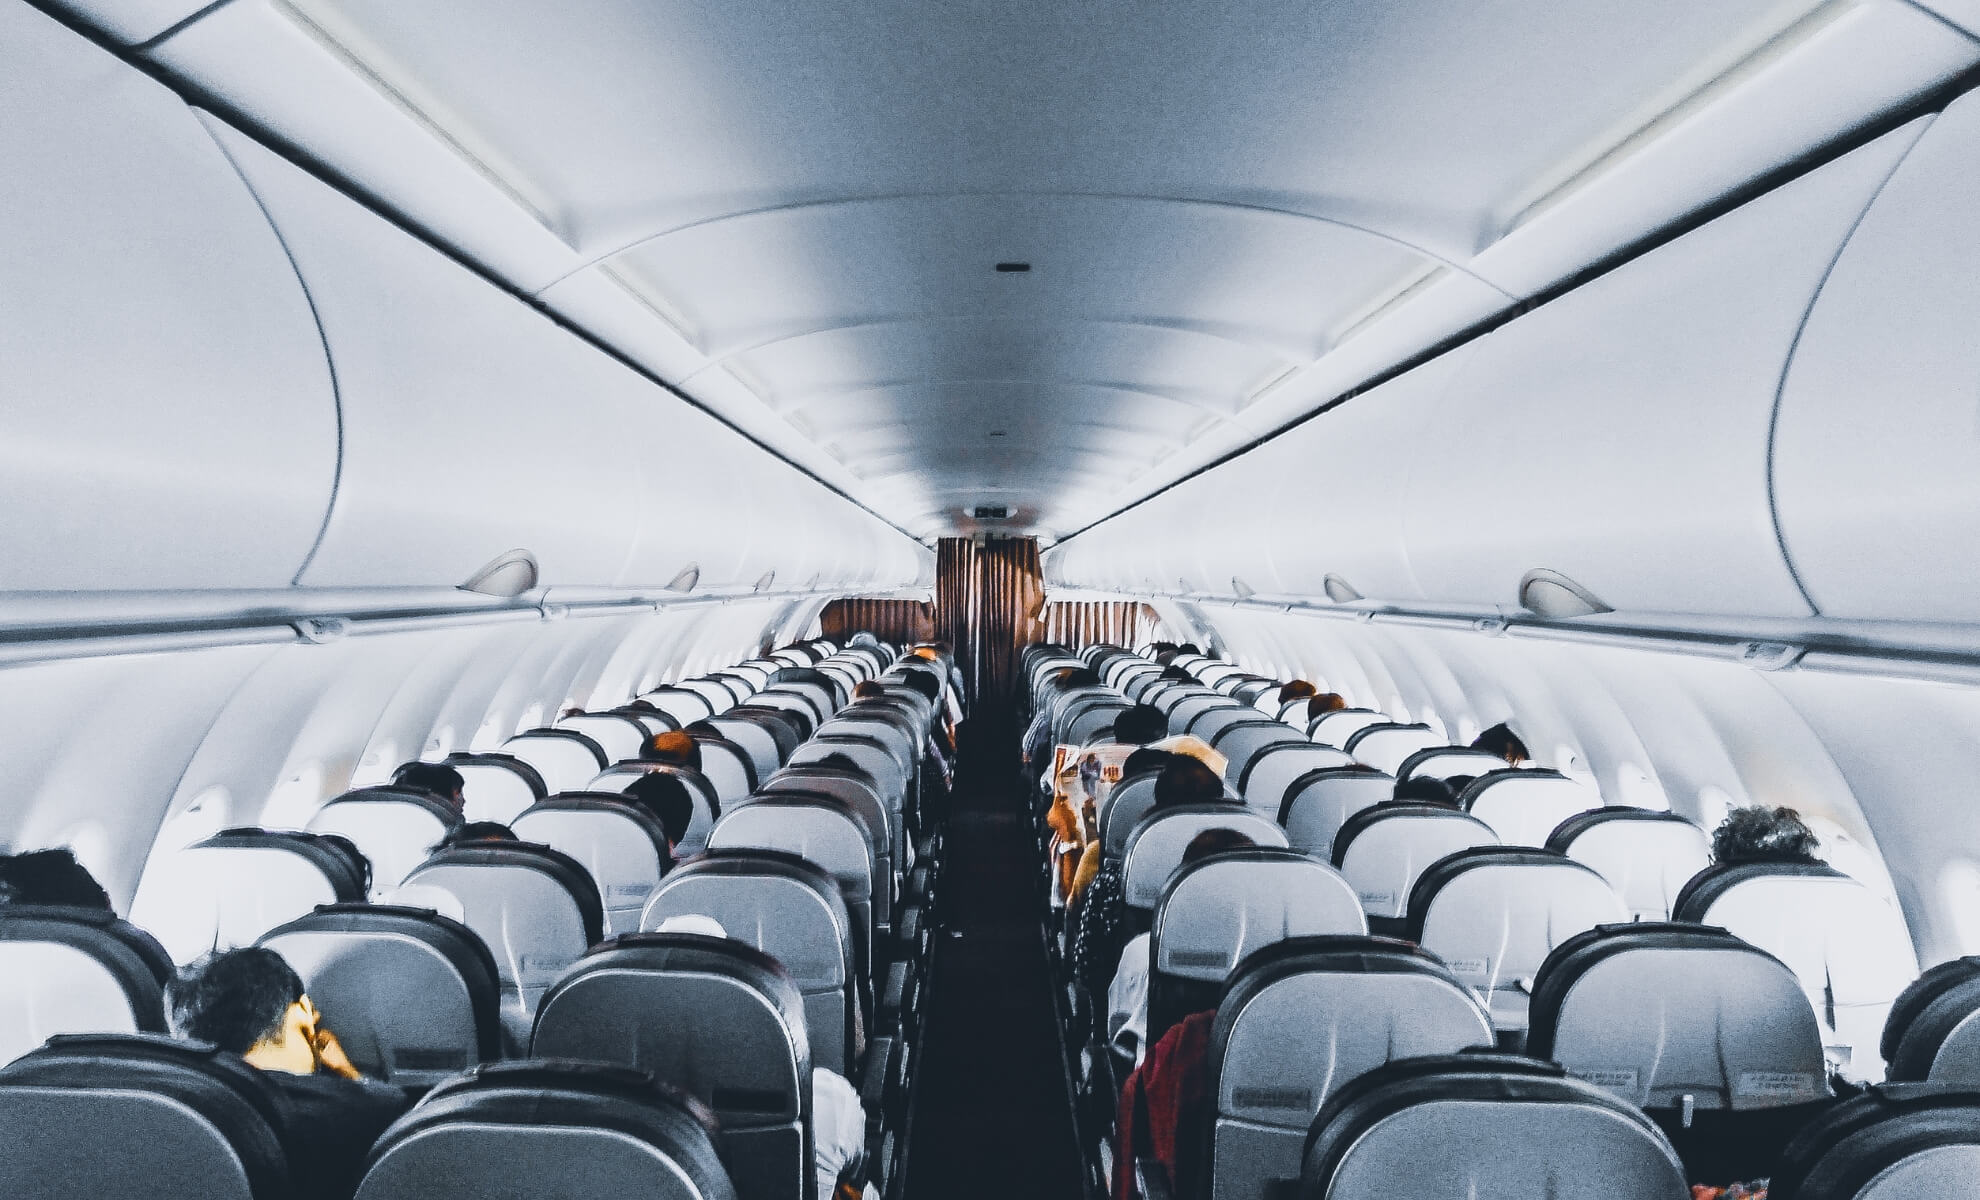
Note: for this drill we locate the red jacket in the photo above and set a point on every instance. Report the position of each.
(1165, 1112)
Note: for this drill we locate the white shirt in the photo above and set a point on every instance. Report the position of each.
(838, 1128)
(1127, 1000)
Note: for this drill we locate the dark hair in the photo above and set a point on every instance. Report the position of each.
(1145, 759)
(869, 689)
(476, 831)
(50, 877)
(1214, 841)
(235, 999)
(1324, 703)
(1140, 725)
(667, 798)
(674, 746)
(845, 764)
(1762, 834)
(1457, 784)
(1176, 673)
(924, 682)
(1502, 741)
(438, 778)
(1079, 677)
(1189, 648)
(573, 711)
(1186, 780)
(1426, 789)
(1296, 689)
(349, 849)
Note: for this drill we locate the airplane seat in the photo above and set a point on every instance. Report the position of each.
(720, 699)
(1524, 805)
(1253, 689)
(652, 720)
(532, 1128)
(740, 685)
(789, 729)
(1472, 1126)
(1708, 1035)
(1093, 722)
(1185, 711)
(1335, 728)
(822, 832)
(1850, 947)
(238, 884)
(1933, 1032)
(1388, 745)
(621, 846)
(564, 759)
(1211, 722)
(413, 996)
(1896, 1141)
(614, 781)
(1243, 742)
(1301, 1018)
(1155, 849)
(1217, 910)
(393, 827)
(1316, 802)
(1494, 914)
(796, 710)
(139, 1117)
(536, 909)
(76, 970)
(1270, 771)
(861, 798)
(619, 735)
(1646, 856)
(682, 704)
(756, 738)
(731, 770)
(715, 1017)
(817, 697)
(1449, 762)
(876, 760)
(496, 786)
(791, 910)
(1385, 848)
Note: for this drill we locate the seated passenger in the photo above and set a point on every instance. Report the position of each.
(573, 711)
(869, 689)
(1767, 835)
(1298, 689)
(1148, 758)
(470, 832)
(1127, 995)
(1324, 703)
(1502, 741)
(673, 747)
(438, 778)
(1140, 725)
(1425, 789)
(1185, 780)
(667, 798)
(249, 1001)
(1177, 674)
(50, 877)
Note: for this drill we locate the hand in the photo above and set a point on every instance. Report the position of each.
(330, 1055)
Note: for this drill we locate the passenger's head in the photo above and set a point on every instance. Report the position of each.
(1214, 841)
(1185, 780)
(50, 877)
(572, 711)
(1762, 834)
(870, 689)
(248, 1001)
(1145, 759)
(843, 763)
(1140, 725)
(1297, 689)
(1325, 703)
(1079, 677)
(1189, 648)
(674, 747)
(469, 833)
(924, 682)
(667, 799)
(356, 857)
(1177, 674)
(1502, 741)
(1426, 789)
(437, 778)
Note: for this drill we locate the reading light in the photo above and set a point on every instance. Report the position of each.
(507, 575)
(1339, 590)
(685, 581)
(1552, 594)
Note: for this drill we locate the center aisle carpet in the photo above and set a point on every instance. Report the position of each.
(992, 1116)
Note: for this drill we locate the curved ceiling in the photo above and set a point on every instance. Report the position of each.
(808, 202)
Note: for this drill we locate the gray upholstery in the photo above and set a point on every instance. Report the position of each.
(1447, 762)
(1335, 728)
(1647, 857)
(1122, 809)
(75, 970)
(566, 764)
(759, 743)
(1384, 747)
(1215, 720)
(620, 736)
(1273, 767)
(1525, 806)
(818, 831)
(883, 824)
(1314, 806)
(1241, 742)
(210, 895)
(394, 828)
(623, 847)
(1155, 848)
(682, 704)
(1185, 711)
(617, 779)
(1383, 861)
(496, 786)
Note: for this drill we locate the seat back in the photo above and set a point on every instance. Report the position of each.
(1382, 850)
(497, 786)
(1242, 742)
(714, 1017)
(883, 824)
(1185, 711)
(1318, 801)
(414, 996)
(76, 970)
(393, 827)
(1300, 1018)
(1482, 1127)
(791, 910)
(533, 1128)
(564, 759)
(1211, 723)
(1449, 762)
(620, 845)
(1272, 768)
(237, 885)
(1218, 910)
(1933, 1031)
(1495, 913)
(720, 698)
(615, 780)
(1335, 728)
(1848, 946)
(731, 770)
(803, 712)
(871, 757)
(1646, 856)
(683, 704)
(758, 738)
(1122, 808)
(619, 735)
(1525, 806)
(1155, 848)
(1895, 1142)
(1386, 746)
(821, 832)
(138, 1117)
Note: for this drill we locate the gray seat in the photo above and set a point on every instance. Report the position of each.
(731, 770)
(791, 910)
(1384, 848)
(414, 996)
(1304, 1016)
(1933, 1031)
(620, 845)
(756, 740)
(615, 780)
(717, 694)
(1243, 740)
(1449, 762)
(1525, 806)
(1646, 856)
(395, 828)
(715, 1017)
(619, 735)
(233, 887)
(537, 1128)
(76, 970)
(870, 756)
(1211, 723)
(1335, 728)
(497, 786)
(1122, 809)
(1093, 721)
(821, 832)
(883, 824)
(1482, 1127)
(1386, 746)
(683, 704)
(1155, 848)
(1271, 770)
(1188, 708)
(1896, 1142)
(564, 759)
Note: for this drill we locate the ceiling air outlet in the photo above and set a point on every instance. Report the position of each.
(509, 574)
(763, 584)
(1339, 590)
(993, 512)
(685, 581)
(1552, 594)
(1243, 590)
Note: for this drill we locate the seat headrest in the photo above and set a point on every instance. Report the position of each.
(1440, 874)
(817, 829)
(1893, 1141)
(543, 860)
(1711, 884)
(496, 760)
(1524, 805)
(75, 970)
(1920, 1031)
(1448, 762)
(418, 798)
(1155, 848)
(1360, 822)
(1386, 746)
(755, 895)
(1268, 773)
(331, 857)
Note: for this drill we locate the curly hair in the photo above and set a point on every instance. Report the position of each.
(1762, 834)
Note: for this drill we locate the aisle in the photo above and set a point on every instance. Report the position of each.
(992, 1115)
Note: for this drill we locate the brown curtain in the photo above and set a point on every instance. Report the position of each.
(987, 602)
(902, 622)
(1080, 623)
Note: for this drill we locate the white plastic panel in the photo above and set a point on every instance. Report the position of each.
(54, 989)
(163, 373)
(1876, 455)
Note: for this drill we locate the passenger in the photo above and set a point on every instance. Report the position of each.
(1426, 789)
(1148, 758)
(438, 778)
(50, 877)
(872, 689)
(1177, 674)
(250, 1002)
(673, 746)
(1759, 834)
(668, 800)
(471, 832)
(1127, 995)
(928, 683)
(1502, 741)
(1140, 725)
(1185, 780)
(356, 857)
(1324, 703)
(1298, 689)
(572, 711)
